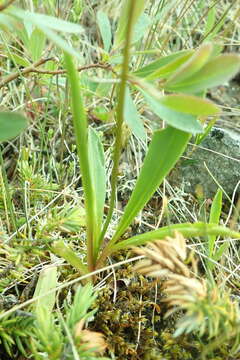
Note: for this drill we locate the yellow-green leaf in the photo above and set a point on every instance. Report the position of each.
(215, 72)
(156, 65)
(194, 64)
(179, 120)
(190, 104)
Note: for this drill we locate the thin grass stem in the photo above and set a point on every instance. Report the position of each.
(120, 118)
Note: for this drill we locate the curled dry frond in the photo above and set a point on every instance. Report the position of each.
(163, 257)
(208, 310)
(90, 340)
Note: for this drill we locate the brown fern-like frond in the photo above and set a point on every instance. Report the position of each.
(163, 257)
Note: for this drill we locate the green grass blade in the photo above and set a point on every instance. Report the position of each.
(49, 26)
(214, 218)
(59, 41)
(81, 135)
(165, 149)
(186, 229)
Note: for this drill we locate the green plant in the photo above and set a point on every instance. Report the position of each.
(213, 252)
(196, 71)
(184, 76)
(56, 335)
(11, 125)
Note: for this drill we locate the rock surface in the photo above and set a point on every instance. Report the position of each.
(217, 157)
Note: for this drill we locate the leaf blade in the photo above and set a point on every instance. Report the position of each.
(176, 119)
(11, 124)
(47, 21)
(98, 173)
(157, 64)
(132, 118)
(214, 218)
(153, 171)
(190, 104)
(213, 73)
(47, 281)
(192, 65)
(105, 29)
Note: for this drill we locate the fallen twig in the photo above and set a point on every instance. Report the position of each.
(7, 4)
(33, 69)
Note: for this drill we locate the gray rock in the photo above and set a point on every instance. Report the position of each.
(218, 154)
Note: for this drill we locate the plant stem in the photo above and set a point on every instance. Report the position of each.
(81, 135)
(119, 118)
(7, 193)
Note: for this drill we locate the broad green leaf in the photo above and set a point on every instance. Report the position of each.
(167, 70)
(215, 72)
(60, 42)
(141, 27)
(186, 229)
(214, 218)
(47, 21)
(132, 118)
(98, 173)
(11, 124)
(190, 104)
(165, 149)
(20, 60)
(194, 64)
(177, 119)
(37, 42)
(105, 29)
(47, 281)
(123, 19)
(49, 25)
(157, 64)
(61, 249)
